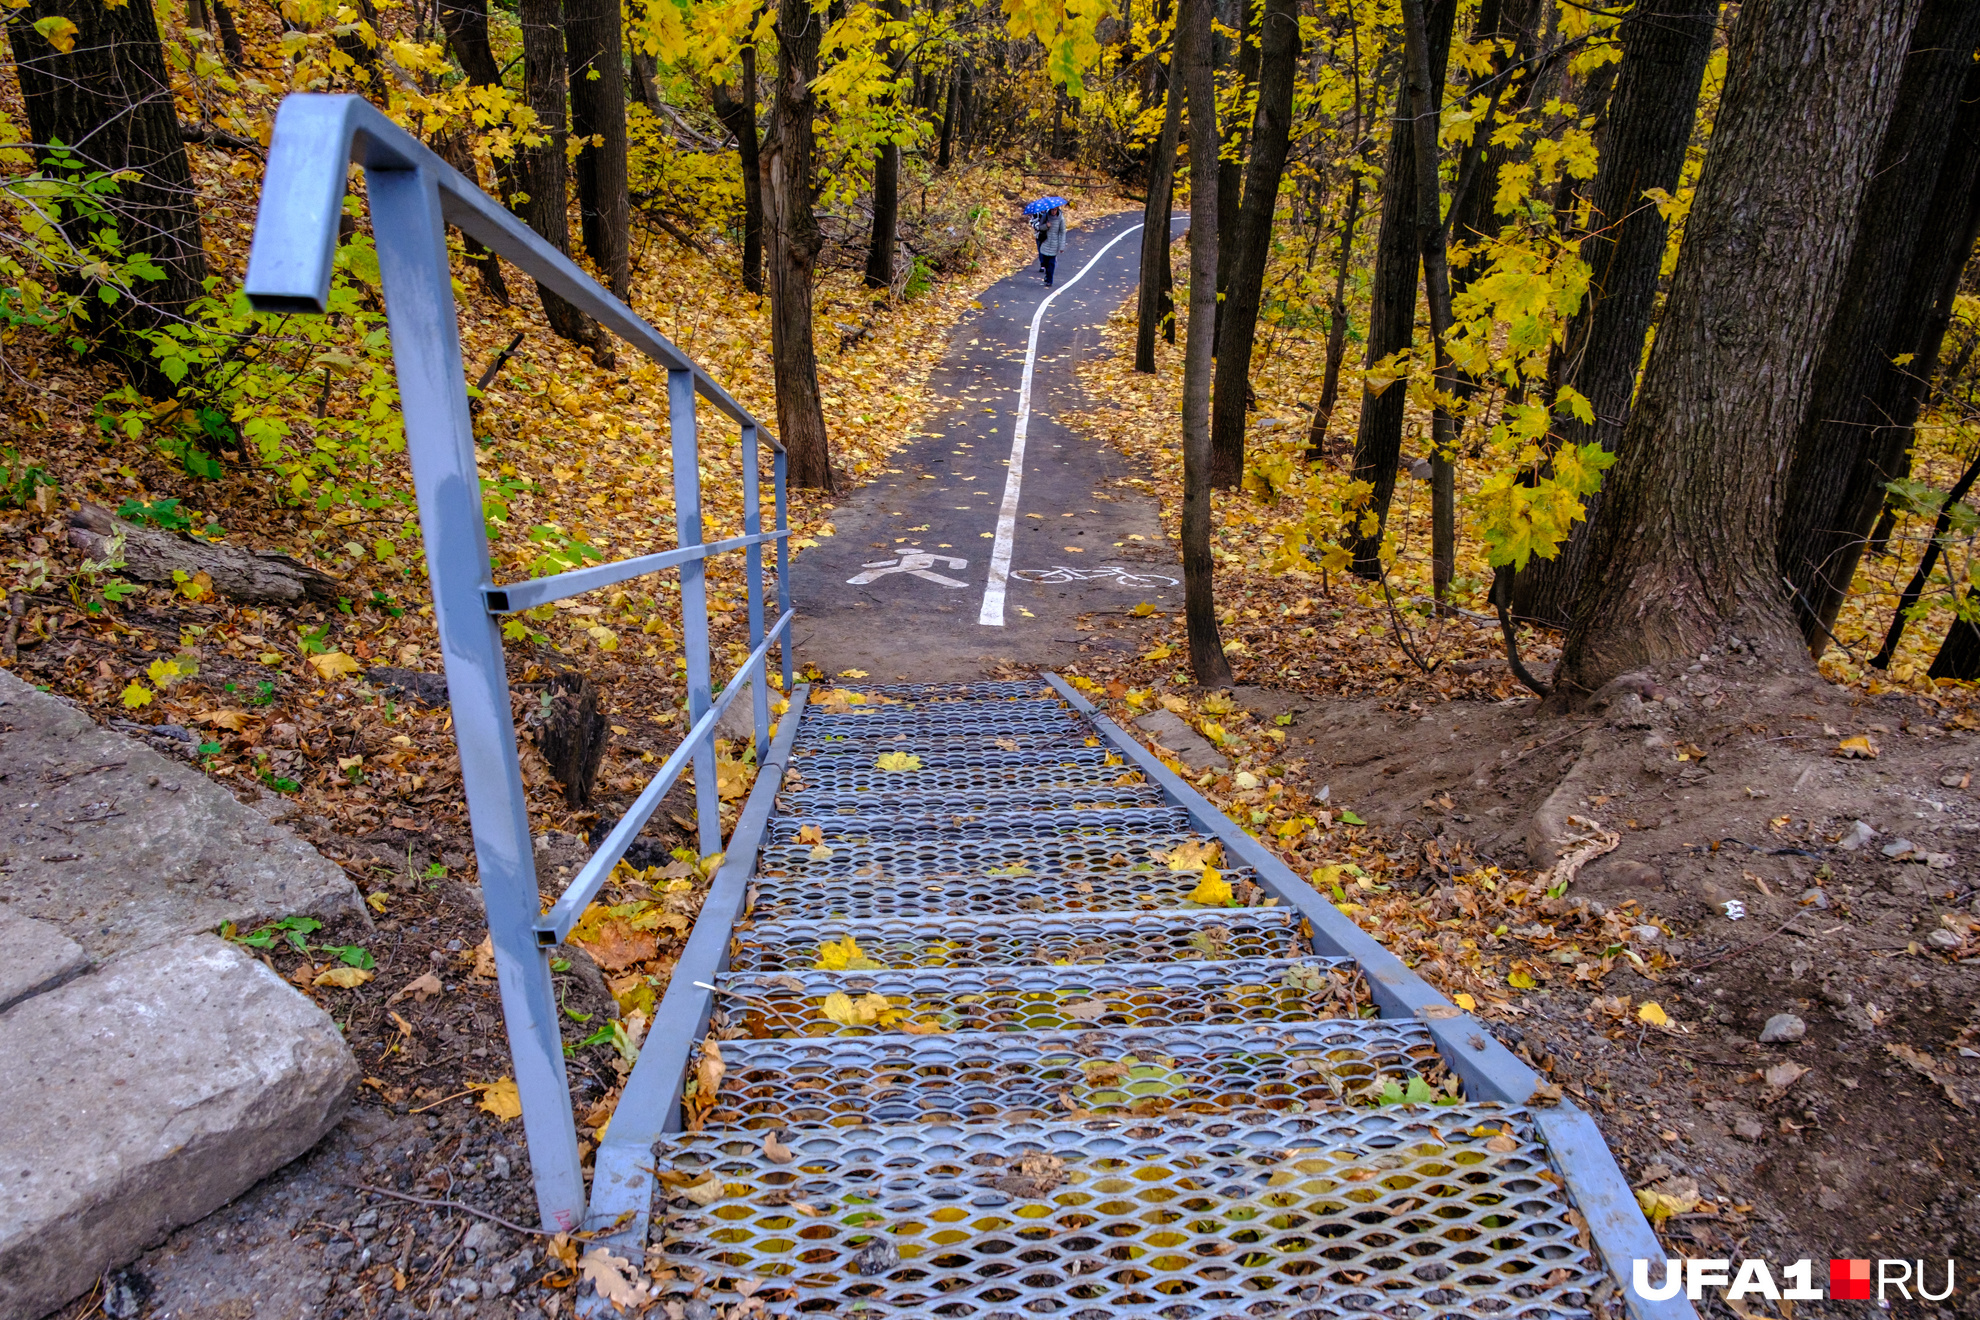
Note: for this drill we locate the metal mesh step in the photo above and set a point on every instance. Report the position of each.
(936, 1000)
(956, 826)
(856, 756)
(1094, 849)
(998, 1078)
(1028, 941)
(846, 776)
(1403, 1213)
(973, 716)
(1119, 796)
(786, 897)
(924, 693)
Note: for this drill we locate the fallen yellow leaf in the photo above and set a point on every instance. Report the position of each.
(1652, 1012)
(1465, 1002)
(501, 1099)
(344, 978)
(334, 664)
(1212, 890)
(898, 761)
(1858, 747)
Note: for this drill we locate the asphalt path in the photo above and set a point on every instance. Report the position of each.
(997, 529)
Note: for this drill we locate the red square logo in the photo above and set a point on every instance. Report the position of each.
(1849, 1280)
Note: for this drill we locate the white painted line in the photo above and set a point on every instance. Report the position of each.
(1000, 552)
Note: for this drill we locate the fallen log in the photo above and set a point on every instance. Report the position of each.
(256, 577)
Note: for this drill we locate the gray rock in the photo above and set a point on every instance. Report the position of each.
(1944, 939)
(1857, 836)
(1191, 748)
(1646, 934)
(1749, 1129)
(483, 1237)
(1782, 1028)
(34, 957)
(1903, 850)
(166, 851)
(143, 1097)
(1815, 898)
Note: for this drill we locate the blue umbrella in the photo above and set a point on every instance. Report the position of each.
(1042, 205)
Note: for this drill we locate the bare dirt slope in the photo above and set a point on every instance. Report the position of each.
(1725, 790)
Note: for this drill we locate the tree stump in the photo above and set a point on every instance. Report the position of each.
(571, 733)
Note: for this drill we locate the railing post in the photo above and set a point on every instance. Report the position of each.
(426, 352)
(784, 649)
(694, 599)
(753, 568)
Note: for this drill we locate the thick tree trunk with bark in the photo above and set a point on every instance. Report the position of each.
(1651, 112)
(1683, 556)
(230, 35)
(1150, 311)
(792, 242)
(108, 101)
(1271, 135)
(540, 171)
(598, 110)
(1959, 654)
(1192, 69)
(1857, 432)
(737, 110)
(1392, 306)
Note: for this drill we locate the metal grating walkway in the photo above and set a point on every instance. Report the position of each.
(983, 1056)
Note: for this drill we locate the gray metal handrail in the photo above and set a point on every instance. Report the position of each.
(414, 195)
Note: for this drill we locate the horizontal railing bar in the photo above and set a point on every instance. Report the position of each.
(315, 140)
(555, 925)
(562, 586)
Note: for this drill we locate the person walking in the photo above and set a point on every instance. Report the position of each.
(1051, 241)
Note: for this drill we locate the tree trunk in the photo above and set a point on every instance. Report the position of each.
(1244, 56)
(598, 111)
(1474, 216)
(540, 171)
(362, 54)
(881, 242)
(793, 242)
(1683, 555)
(1923, 576)
(1392, 305)
(466, 25)
(1431, 238)
(644, 71)
(738, 115)
(109, 102)
(230, 35)
(1857, 430)
(1959, 654)
(1149, 311)
(466, 22)
(1337, 325)
(948, 123)
(1651, 114)
(1271, 135)
(965, 109)
(1192, 58)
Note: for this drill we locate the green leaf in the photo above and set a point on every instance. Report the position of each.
(1349, 818)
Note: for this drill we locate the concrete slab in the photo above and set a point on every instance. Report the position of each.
(144, 1096)
(121, 847)
(34, 956)
(1191, 748)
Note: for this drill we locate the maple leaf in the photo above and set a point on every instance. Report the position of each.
(1212, 890)
(897, 761)
(844, 956)
(332, 665)
(136, 695)
(611, 1276)
(501, 1099)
